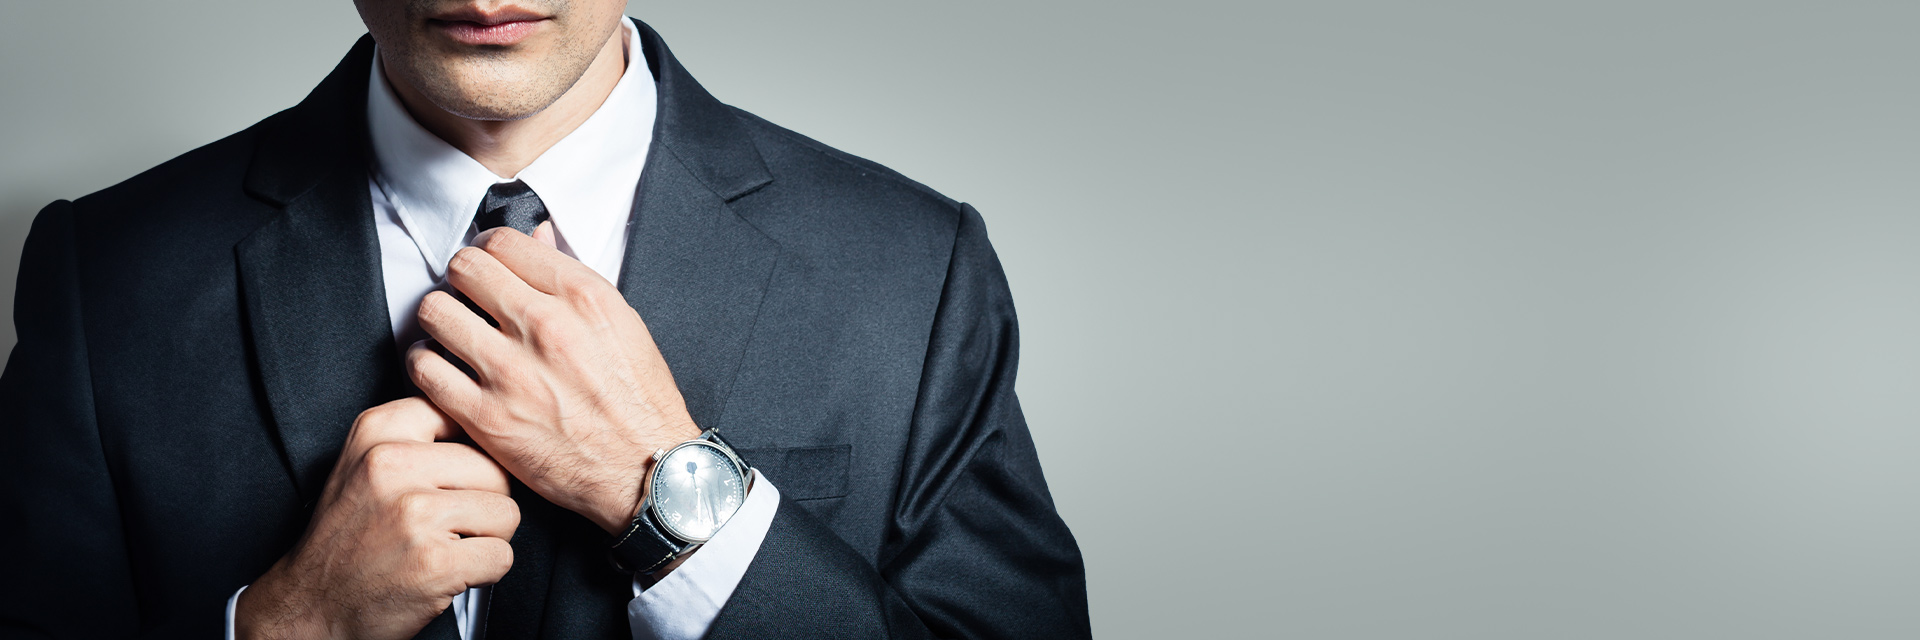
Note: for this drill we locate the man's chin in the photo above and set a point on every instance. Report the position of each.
(494, 96)
(482, 108)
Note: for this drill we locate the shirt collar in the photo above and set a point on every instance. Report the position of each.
(586, 180)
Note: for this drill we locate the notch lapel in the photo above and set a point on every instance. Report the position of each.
(310, 277)
(317, 312)
(695, 270)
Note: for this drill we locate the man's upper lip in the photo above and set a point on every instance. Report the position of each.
(499, 15)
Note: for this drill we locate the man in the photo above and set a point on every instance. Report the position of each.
(511, 330)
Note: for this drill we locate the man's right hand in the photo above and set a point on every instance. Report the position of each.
(405, 523)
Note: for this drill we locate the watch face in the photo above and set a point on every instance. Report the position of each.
(696, 488)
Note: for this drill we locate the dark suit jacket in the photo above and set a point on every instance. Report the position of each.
(194, 343)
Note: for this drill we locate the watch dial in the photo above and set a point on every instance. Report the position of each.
(696, 489)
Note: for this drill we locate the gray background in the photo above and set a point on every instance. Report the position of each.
(1357, 319)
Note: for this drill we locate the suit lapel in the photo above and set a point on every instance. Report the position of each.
(310, 277)
(317, 311)
(696, 272)
(694, 269)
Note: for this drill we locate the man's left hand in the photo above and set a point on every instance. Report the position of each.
(573, 396)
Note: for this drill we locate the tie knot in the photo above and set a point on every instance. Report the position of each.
(511, 204)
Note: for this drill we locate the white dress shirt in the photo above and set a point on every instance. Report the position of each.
(425, 194)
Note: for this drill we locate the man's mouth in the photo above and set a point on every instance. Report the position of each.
(504, 26)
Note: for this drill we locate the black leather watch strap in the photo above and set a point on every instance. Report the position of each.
(644, 548)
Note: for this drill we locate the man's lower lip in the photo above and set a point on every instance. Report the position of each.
(474, 33)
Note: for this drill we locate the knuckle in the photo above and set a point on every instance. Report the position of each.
(541, 319)
(438, 307)
(385, 458)
(433, 385)
(433, 561)
(372, 417)
(500, 239)
(604, 300)
(466, 259)
(430, 311)
(417, 357)
(585, 290)
(413, 507)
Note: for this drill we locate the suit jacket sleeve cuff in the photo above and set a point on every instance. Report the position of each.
(684, 604)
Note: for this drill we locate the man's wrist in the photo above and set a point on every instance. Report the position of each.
(262, 610)
(616, 512)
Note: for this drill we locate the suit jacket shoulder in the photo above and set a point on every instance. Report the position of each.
(196, 187)
(833, 210)
(767, 133)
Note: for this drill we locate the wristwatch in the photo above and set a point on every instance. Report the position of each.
(689, 492)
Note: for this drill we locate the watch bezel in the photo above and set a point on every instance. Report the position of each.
(651, 509)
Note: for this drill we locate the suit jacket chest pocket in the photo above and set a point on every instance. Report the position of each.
(803, 473)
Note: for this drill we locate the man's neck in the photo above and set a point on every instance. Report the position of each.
(505, 147)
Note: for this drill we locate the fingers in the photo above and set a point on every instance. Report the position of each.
(403, 420)
(494, 287)
(412, 466)
(466, 468)
(467, 513)
(445, 384)
(537, 263)
(400, 468)
(459, 330)
(481, 561)
(480, 514)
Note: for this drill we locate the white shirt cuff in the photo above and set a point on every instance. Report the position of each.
(231, 603)
(683, 605)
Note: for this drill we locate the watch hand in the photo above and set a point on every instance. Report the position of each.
(699, 495)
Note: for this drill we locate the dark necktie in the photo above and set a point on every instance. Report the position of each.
(511, 204)
(516, 206)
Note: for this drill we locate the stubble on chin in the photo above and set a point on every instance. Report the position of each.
(496, 84)
(492, 88)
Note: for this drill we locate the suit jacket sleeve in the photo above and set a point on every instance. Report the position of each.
(975, 548)
(66, 568)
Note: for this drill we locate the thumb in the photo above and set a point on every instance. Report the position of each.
(544, 233)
